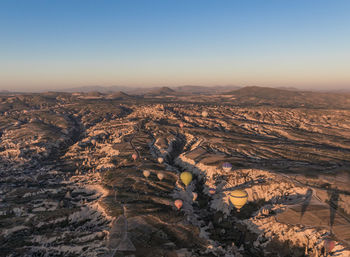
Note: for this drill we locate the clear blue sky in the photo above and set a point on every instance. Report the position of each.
(57, 43)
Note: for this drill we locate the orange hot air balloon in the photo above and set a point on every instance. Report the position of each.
(160, 175)
(146, 173)
(160, 159)
(134, 156)
(195, 195)
(178, 204)
(212, 191)
(204, 114)
(329, 245)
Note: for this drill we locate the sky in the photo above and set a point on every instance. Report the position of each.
(56, 44)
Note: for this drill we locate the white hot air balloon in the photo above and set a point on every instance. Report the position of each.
(160, 175)
(146, 173)
(160, 159)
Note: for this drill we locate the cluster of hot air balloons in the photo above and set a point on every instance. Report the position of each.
(238, 197)
(186, 178)
(147, 173)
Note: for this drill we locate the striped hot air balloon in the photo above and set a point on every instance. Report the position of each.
(212, 191)
(226, 166)
(238, 198)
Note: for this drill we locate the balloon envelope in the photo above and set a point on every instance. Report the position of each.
(134, 156)
(181, 125)
(178, 204)
(329, 245)
(212, 191)
(146, 173)
(204, 113)
(227, 166)
(186, 177)
(238, 198)
(195, 195)
(160, 175)
(160, 159)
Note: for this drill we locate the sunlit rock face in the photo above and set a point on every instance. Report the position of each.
(69, 185)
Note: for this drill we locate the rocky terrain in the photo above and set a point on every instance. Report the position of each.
(72, 180)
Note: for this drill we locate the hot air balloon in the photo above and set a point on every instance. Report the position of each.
(195, 195)
(68, 195)
(204, 114)
(178, 204)
(146, 173)
(160, 159)
(181, 125)
(227, 166)
(212, 191)
(329, 245)
(238, 198)
(134, 156)
(160, 175)
(186, 177)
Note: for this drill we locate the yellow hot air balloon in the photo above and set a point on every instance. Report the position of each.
(186, 177)
(238, 198)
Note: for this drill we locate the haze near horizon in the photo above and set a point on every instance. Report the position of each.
(62, 44)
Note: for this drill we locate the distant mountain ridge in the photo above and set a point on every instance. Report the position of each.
(119, 96)
(186, 89)
(288, 98)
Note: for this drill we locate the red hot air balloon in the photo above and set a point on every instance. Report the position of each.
(134, 156)
(329, 245)
(178, 204)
